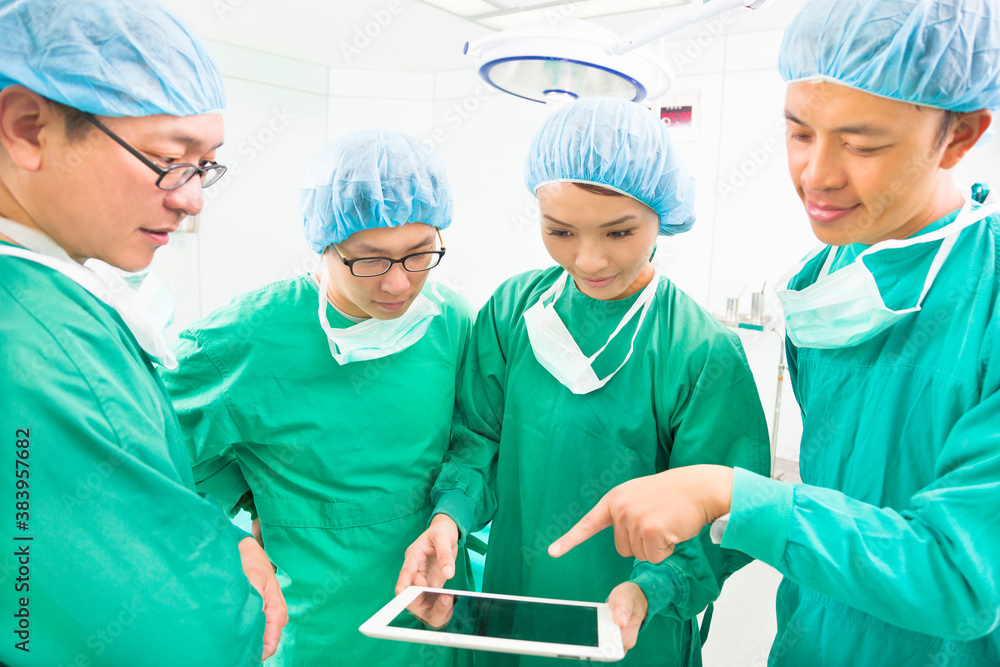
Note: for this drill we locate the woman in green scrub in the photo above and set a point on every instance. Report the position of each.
(324, 403)
(588, 374)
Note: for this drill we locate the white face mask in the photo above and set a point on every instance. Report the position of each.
(557, 351)
(144, 292)
(373, 338)
(845, 308)
(149, 336)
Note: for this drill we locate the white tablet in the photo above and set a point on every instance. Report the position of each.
(502, 623)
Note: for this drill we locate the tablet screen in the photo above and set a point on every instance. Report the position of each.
(507, 619)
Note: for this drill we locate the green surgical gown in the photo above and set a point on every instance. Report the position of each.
(127, 565)
(534, 457)
(891, 546)
(338, 459)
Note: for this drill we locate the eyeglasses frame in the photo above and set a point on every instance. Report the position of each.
(349, 263)
(162, 173)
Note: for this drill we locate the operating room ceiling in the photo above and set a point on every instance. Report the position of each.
(404, 35)
(500, 14)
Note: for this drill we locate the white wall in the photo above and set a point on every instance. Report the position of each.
(282, 110)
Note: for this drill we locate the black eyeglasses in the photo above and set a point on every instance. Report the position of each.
(173, 176)
(369, 267)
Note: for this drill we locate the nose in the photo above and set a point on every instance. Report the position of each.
(188, 198)
(396, 281)
(591, 258)
(822, 170)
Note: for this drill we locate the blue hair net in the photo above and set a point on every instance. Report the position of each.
(937, 53)
(618, 144)
(372, 178)
(108, 57)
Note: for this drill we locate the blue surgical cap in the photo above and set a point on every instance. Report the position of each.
(616, 144)
(108, 57)
(369, 179)
(936, 53)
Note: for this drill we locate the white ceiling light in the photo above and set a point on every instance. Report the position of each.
(547, 61)
(555, 58)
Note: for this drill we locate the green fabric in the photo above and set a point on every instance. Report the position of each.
(755, 536)
(893, 543)
(339, 459)
(128, 564)
(685, 397)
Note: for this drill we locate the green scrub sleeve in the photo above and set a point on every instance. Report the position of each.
(222, 477)
(933, 567)
(721, 422)
(460, 507)
(760, 516)
(198, 390)
(469, 467)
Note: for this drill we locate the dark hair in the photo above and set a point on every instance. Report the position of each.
(76, 124)
(948, 119)
(598, 189)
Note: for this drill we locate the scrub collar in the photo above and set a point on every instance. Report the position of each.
(33, 240)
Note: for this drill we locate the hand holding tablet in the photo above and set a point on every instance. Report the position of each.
(430, 560)
(502, 623)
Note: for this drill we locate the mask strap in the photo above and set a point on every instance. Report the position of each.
(324, 322)
(970, 214)
(828, 264)
(643, 302)
(553, 293)
(794, 271)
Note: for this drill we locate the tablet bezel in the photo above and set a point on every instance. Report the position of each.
(609, 640)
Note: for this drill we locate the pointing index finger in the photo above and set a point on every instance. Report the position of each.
(593, 522)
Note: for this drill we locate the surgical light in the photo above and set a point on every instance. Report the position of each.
(555, 61)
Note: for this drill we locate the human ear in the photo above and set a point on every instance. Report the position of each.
(24, 115)
(966, 131)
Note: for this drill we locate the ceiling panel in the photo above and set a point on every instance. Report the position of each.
(500, 14)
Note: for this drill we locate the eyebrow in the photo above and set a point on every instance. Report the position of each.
(623, 219)
(865, 129)
(191, 142)
(364, 247)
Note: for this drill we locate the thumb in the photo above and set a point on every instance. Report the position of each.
(446, 557)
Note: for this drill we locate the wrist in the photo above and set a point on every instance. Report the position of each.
(722, 492)
(442, 519)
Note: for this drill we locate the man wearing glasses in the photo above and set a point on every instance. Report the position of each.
(111, 556)
(323, 404)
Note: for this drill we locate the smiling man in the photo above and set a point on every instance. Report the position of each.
(323, 403)
(105, 145)
(890, 548)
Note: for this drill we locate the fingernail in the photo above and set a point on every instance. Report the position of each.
(555, 549)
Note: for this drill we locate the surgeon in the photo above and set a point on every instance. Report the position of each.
(109, 125)
(590, 373)
(890, 549)
(323, 403)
